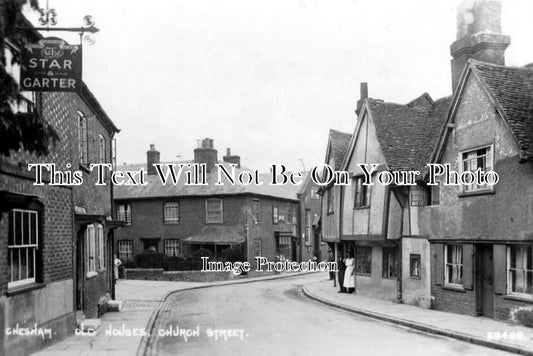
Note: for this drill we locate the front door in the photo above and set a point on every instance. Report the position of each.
(486, 281)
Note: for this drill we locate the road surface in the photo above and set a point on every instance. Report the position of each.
(275, 318)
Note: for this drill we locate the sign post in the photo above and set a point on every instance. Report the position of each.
(51, 65)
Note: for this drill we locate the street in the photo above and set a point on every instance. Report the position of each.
(275, 318)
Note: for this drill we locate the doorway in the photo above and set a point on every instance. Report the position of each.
(485, 281)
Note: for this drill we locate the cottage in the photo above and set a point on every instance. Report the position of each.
(179, 223)
(55, 238)
(482, 235)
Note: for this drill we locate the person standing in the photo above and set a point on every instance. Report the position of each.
(349, 280)
(331, 258)
(116, 264)
(341, 266)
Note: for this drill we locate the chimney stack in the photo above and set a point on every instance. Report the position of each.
(363, 96)
(229, 158)
(205, 153)
(478, 36)
(152, 156)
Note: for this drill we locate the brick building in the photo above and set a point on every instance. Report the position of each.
(54, 254)
(178, 220)
(482, 236)
(309, 210)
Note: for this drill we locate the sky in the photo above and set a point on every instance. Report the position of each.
(267, 79)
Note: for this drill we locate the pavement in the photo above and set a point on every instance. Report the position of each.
(476, 330)
(124, 332)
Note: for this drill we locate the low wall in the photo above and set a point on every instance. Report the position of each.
(158, 274)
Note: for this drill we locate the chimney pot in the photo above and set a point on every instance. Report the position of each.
(206, 154)
(152, 156)
(363, 95)
(478, 36)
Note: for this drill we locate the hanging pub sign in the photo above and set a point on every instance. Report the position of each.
(50, 65)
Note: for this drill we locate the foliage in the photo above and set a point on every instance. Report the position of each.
(18, 130)
(525, 317)
(149, 260)
(231, 254)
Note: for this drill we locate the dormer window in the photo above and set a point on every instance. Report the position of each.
(472, 160)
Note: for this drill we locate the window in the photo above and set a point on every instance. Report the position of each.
(307, 226)
(82, 139)
(172, 248)
(101, 246)
(257, 248)
(453, 262)
(23, 245)
(257, 210)
(90, 249)
(171, 213)
(314, 194)
(434, 194)
(290, 219)
(414, 266)
(520, 267)
(101, 149)
(275, 215)
(213, 211)
(125, 250)
(124, 213)
(418, 195)
(151, 245)
(28, 98)
(390, 263)
(363, 261)
(481, 159)
(330, 200)
(361, 193)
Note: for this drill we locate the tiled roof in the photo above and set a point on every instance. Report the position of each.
(513, 89)
(407, 134)
(223, 235)
(340, 142)
(155, 189)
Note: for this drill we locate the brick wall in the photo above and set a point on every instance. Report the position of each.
(147, 221)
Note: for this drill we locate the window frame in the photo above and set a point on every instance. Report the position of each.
(90, 251)
(431, 195)
(121, 243)
(452, 264)
(127, 218)
(256, 210)
(174, 220)
(308, 226)
(385, 259)
(83, 139)
(221, 204)
(465, 189)
(330, 201)
(173, 248)
(415, 257)
(275, 215)
(314, 193)
(101, 247)
(524, 270)
(418, 192)
(12, 230)
(361, 193)
(258, 246)
(359, 265)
